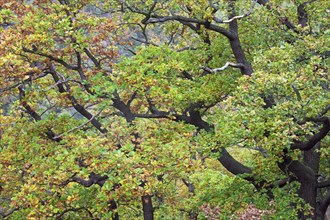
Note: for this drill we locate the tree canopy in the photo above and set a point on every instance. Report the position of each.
(164, 109)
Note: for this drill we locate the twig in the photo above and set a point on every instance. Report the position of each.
(239, 16)
(80, 126)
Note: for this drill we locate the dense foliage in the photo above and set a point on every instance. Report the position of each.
(164, 109)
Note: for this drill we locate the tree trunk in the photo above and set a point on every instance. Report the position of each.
(307, 192)
(148, 210)
(306, 175)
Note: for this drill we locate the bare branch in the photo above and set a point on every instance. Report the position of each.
(239, 16)
(239, 65)
(47, 109)
(179, 18)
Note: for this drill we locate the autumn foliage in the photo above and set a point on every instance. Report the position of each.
(164, 109)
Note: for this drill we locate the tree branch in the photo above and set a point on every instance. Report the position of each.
(76, 128)
(323, 184)
(74, 210)
(93, 179)
(58, 60)
(153, 18)
(31, 78)
(313, 140)
(284, 20)
(299, 170)
(205, 23)
(239, 65)
(79, 108)
(232, 165)
(11, 211)
(238, 16)
(92, 58)
(50, 134)
(191, 188)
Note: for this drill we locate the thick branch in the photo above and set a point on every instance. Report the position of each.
(124, 108)
(302, 13)
(313, 140)
(194, 118)
(79, 108)
(93, 179)
(148, 209)
(235, 44)
(233, 165)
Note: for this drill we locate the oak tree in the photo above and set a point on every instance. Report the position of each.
(164, 109)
